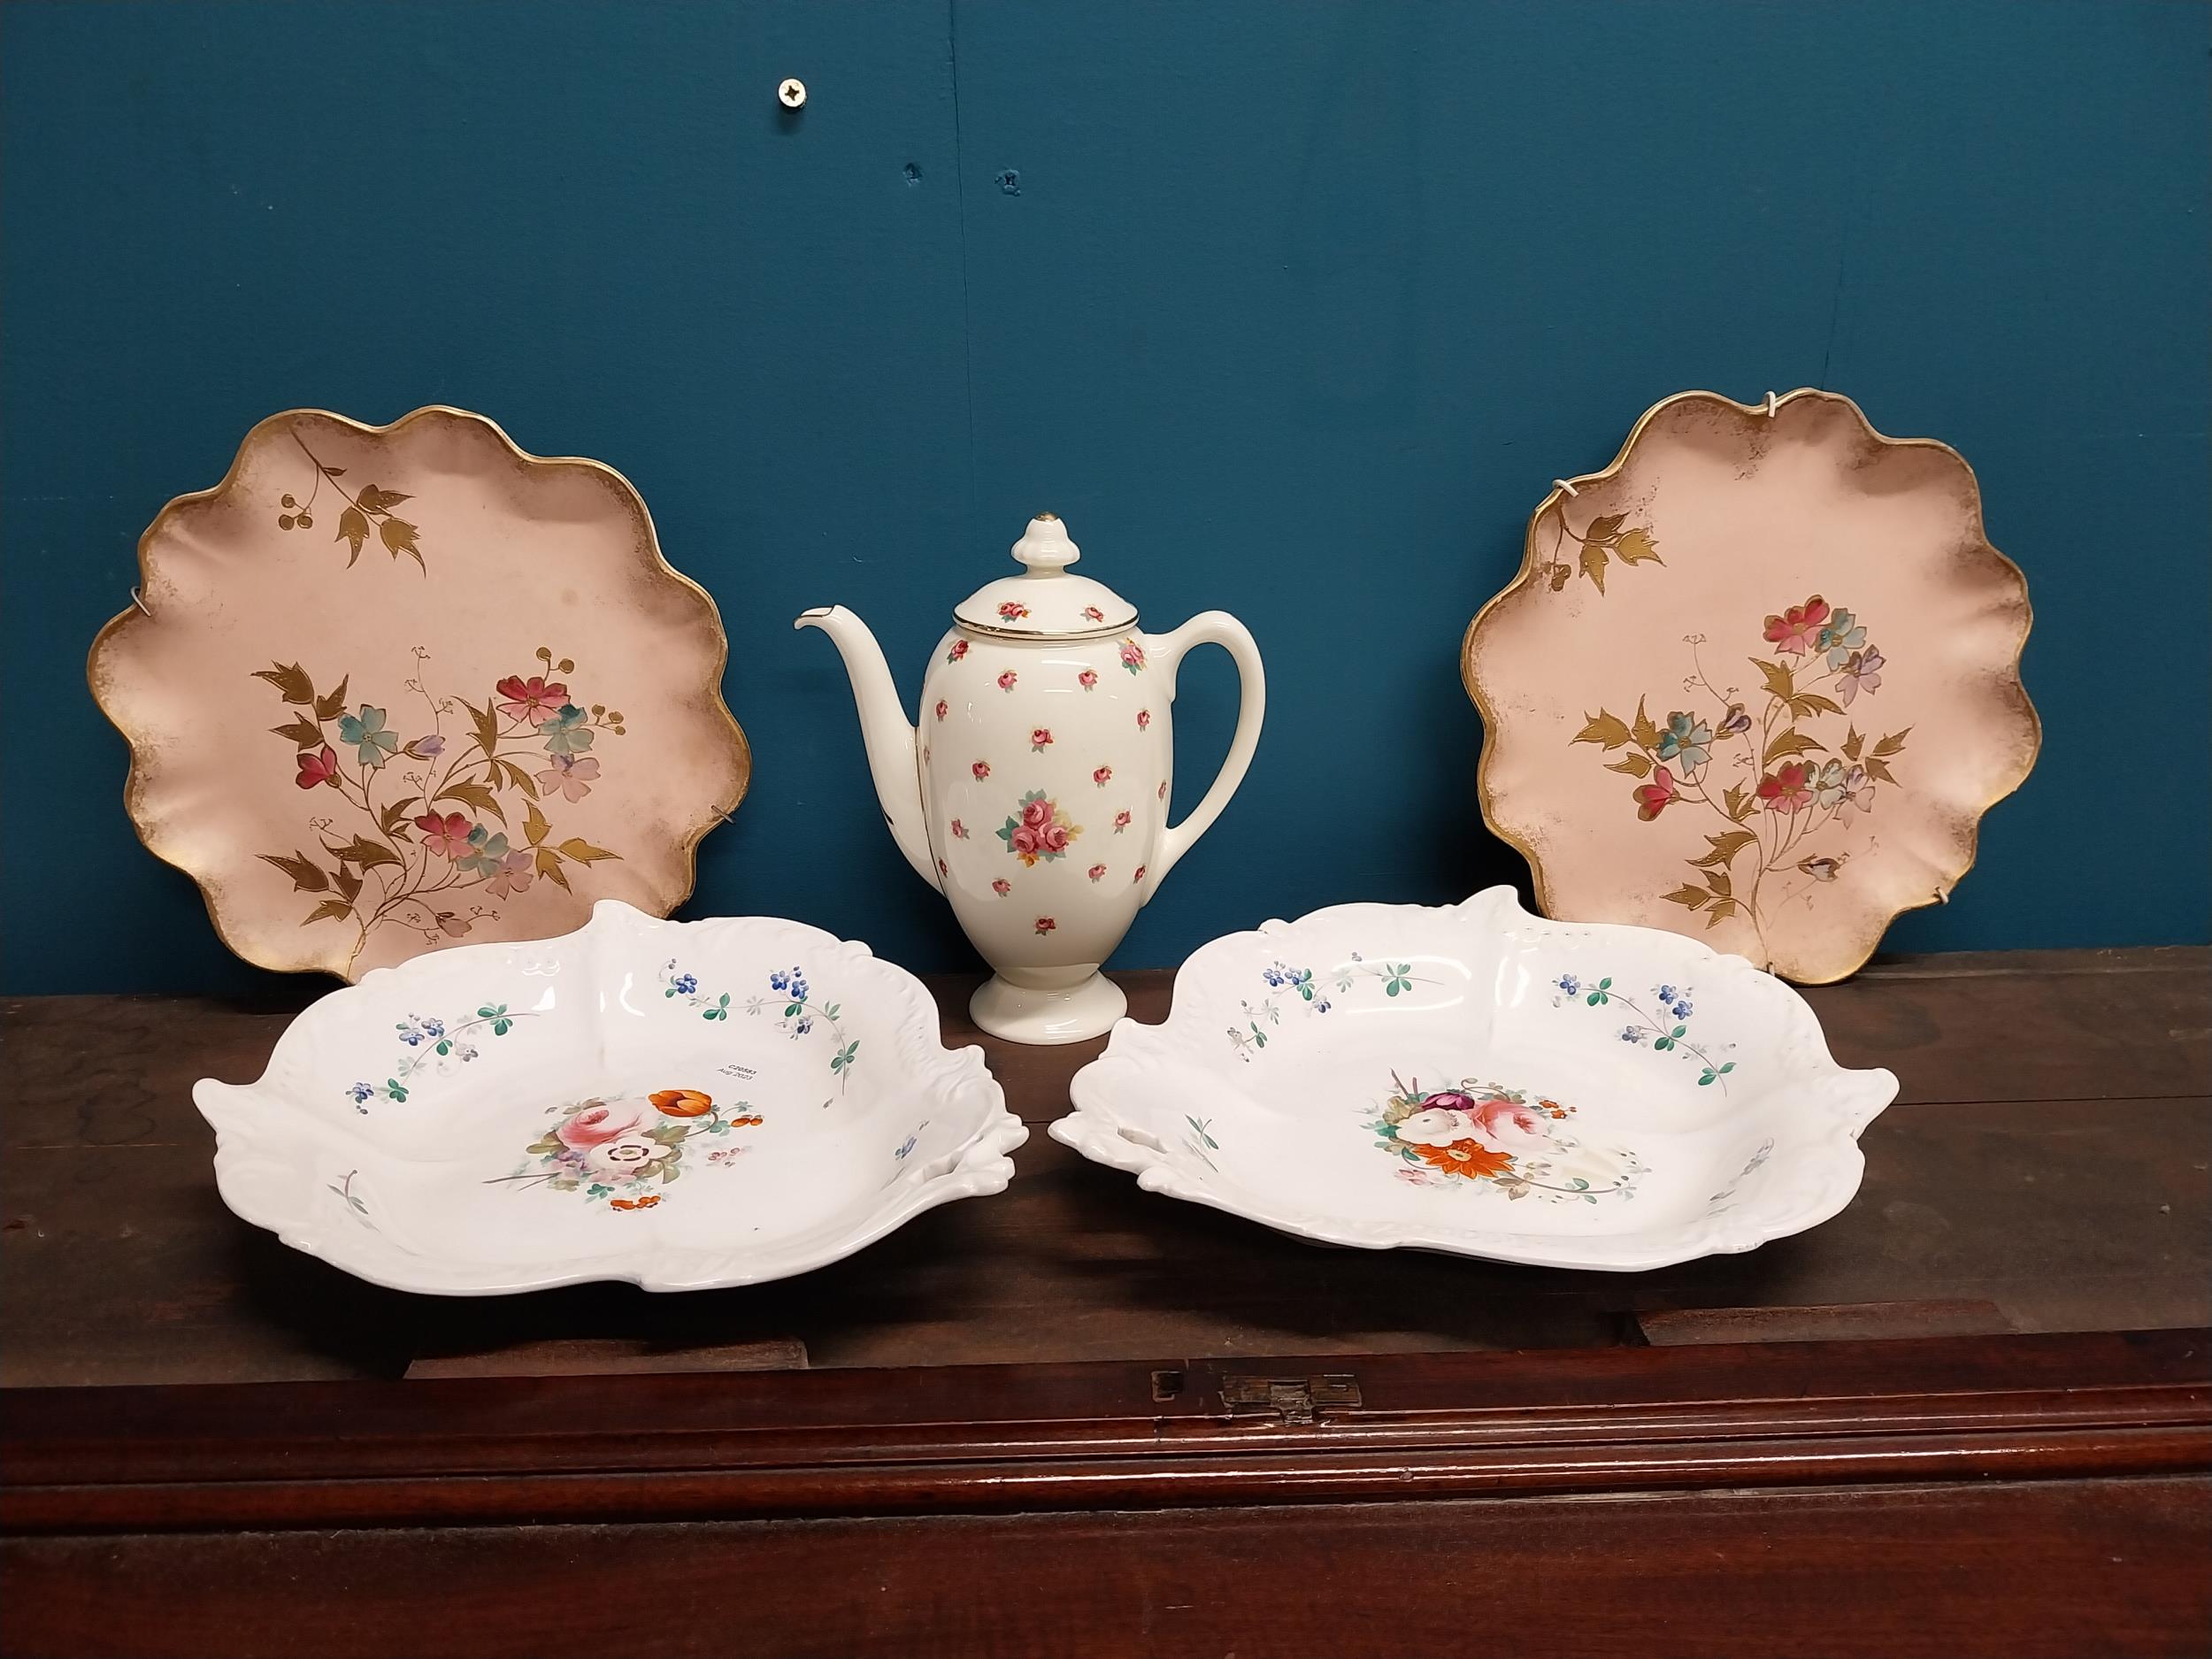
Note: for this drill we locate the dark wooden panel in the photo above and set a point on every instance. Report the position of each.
(2118, 1568)
(651, 1447)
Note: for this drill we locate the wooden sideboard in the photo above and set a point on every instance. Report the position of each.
(1972, 1415)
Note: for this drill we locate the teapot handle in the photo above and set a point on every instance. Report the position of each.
(1209, 627)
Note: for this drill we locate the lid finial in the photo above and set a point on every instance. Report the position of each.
(1045, 548)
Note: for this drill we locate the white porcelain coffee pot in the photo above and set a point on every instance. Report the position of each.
(1034, 794)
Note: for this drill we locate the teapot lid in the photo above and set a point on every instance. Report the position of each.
(1045, 601)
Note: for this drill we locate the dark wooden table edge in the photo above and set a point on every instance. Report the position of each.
(1105, 1435)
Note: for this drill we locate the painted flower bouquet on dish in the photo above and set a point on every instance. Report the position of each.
(1785, 787)
(1474, 1079)
(424, 836)
(609, 1112)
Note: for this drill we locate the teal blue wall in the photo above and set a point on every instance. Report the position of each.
(1297, 311)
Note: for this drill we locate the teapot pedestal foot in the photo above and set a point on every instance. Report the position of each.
(1053, 1005)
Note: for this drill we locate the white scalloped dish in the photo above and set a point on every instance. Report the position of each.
(1473, 1079)
(681, 1105)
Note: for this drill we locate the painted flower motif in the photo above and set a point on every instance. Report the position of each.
(594, 1126)
(318, 768)
(429, 746)
(447, 836)
(1006, 680)
(1841, 639)
(486, 852)
(646, 1202)
(1784, 790)
(1096, 871)
(1821, 868)
(1687, 739)
(1734, 721)
(1039, 738)
(1651, 798)
(532, 699)
(1040, 831)
(1088, 679)
(513, 875)
(1092, 613)
(943, 869)
(1144, 719)
(1828, 785)
(1797, 629)
(628, 1156)
(681, 1103)
(1002, 887)
(981, 770)
(1133, 656)
(570, 776)
(1102, 776)
(959, 830)
(1858, 795)
(1139, 874)
(943, 708)
(959, 650)
(1045, 925)
(567, 732)
(1860, 671)
(1121, 822)
(1470, 1158)
(1163, 789)
(1012, 611)
(1568, 983)
(372, 744)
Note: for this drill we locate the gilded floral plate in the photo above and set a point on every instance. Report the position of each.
(679, 1104)
(1757, 681)
(389, 687)
(1474, 1079)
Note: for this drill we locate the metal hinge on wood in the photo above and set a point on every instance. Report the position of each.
(1293, 1398)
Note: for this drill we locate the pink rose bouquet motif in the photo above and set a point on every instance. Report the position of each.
(1102, 776)
(1006, 680)
(1002, 887)
(980, 769)
(1045, 925)
(1088, 679)
(1777, 779)
(1096, 871)
(430, 823)
(1133, 656)
(1121, 821)
(959, 650)
(1012, 611)
(1040, 832)
(1484, 1133)
(1040, 739)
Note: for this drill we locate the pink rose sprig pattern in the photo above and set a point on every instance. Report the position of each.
(1772, 778)
(425, 832)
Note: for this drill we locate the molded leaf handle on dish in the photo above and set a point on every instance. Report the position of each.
(1210, 627)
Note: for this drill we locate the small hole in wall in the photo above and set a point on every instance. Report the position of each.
(913, 174)
(1010, 181)
(1166, 1385)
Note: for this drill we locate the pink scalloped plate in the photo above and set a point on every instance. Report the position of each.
(1758, 680)
(393, 688)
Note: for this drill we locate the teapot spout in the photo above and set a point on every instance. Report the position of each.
(893, 751)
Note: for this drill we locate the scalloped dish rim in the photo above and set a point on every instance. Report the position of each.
(1851, 1098)
(243, 1115)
